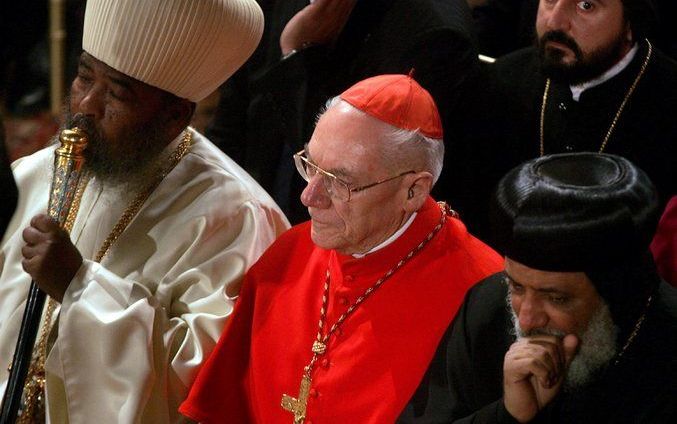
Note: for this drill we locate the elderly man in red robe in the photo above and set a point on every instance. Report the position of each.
(338, 321)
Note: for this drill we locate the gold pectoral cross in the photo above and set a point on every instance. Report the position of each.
(298, 406)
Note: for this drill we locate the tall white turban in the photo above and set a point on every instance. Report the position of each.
(185, 47)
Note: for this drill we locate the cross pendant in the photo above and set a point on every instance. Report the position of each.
(298, 406)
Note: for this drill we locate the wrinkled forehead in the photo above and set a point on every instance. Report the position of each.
(347, 141)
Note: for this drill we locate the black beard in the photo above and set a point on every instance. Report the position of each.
(129, 161)
(585, 67)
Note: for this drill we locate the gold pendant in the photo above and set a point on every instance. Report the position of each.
(298, 406)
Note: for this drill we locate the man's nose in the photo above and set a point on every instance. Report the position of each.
(531, 313)
(315, 194)
(559, 16)
(89, 102)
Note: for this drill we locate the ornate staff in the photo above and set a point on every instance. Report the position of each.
(68, 161)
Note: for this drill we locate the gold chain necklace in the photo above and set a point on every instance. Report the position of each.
(297, 406)
(33, 404)
(635, 331)
(647, 58)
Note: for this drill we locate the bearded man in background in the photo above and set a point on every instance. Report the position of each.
(589, 84)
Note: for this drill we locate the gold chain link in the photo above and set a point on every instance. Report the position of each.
(320, 344)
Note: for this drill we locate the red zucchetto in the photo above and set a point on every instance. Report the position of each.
(397, 100)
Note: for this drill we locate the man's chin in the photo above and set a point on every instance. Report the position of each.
(323, 236)
(565, 73)
(559, 53)
(115, 170)
(317, 234)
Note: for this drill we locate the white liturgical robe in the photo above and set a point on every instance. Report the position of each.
(133, 330)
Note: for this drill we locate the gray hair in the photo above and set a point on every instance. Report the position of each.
(403, 146)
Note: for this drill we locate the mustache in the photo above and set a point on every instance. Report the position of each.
(542, 332)
(562, 38)
(80, 120)
(83, 122)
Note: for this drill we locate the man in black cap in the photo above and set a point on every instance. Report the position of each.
(589, 331)
(592, 82)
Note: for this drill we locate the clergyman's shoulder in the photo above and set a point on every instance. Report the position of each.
(517, 62)
(488, 294)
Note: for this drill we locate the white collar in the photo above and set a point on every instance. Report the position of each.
(577, 90)
(389, 240)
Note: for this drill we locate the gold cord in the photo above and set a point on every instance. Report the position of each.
(320, 344)
(321, 341)
(647, 58)
(635, 331)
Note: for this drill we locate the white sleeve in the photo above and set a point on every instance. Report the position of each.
(129, 348)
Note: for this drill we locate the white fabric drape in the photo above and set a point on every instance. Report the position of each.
(133, 330)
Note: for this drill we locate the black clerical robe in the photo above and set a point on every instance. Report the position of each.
(506, 131)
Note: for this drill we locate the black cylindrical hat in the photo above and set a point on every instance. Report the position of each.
(575, 212)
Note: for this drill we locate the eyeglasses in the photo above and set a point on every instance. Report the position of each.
(335, 186)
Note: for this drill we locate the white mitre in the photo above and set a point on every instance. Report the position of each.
(185, 47)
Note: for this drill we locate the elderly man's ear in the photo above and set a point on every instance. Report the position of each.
(420, 185)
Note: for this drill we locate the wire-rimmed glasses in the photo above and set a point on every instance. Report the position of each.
(335, 186)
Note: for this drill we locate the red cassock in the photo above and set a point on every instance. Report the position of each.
(374, 362)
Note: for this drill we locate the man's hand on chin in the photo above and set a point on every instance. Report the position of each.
(533, 371)
(49, 256)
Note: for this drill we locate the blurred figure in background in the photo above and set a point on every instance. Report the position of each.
(664, 245)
